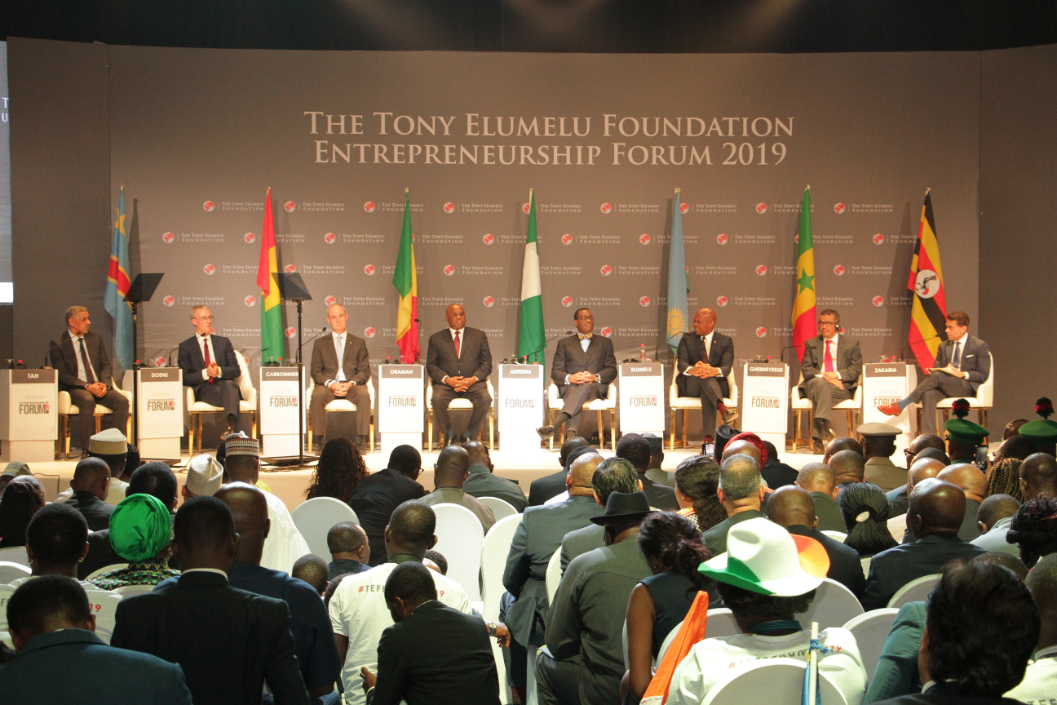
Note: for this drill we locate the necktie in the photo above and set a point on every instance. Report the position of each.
(582, 336)
(88, 371)
(957, 359)
(205, 354)
(458, 345)
(829, 356)
(704, 347)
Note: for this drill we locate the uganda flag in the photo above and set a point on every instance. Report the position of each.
(272, 344)
(406, 282)
(929, 311)
(804, 315)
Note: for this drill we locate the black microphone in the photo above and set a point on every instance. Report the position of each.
(563, 334)
(168, 356)
(322, 332)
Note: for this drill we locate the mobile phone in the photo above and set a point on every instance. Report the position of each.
(708, 449)
(981, 458)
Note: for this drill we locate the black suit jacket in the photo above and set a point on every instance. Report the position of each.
(63, 356)
(570, 358)
(660, 496)
(848, 360)
(228, 641)
(192, 363)
(778, 474)
(946, 694)
(844, 561)
(355, 363)
(475, 359)
(462, 671)
(546, 487)
(894, 568)
(374, 500)
(975, 360)
(96, 512)
(720, 354)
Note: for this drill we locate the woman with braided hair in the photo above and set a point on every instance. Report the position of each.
(865, 510)
(1004, 478)
(1034, 529)
(696, 482)
(339, 471)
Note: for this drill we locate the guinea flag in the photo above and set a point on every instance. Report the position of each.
(406, 282)
(531, 338)
(272, 344)
(804, 315)
(928, 313)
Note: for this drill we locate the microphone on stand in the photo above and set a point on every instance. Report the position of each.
(168, 356)
(322, 332)
(563, 334)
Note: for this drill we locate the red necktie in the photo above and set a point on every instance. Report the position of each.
(205, 353)
(829, 356)
(458, 346)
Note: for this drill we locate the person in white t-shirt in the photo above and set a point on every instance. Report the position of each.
(766, 576)
(358, 611)
(1040, 679)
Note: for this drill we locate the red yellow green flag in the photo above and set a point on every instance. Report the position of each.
(804, 314)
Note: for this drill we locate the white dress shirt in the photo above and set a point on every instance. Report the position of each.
(959, 344)
(78, 341)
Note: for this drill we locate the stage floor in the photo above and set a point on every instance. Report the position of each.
(290, 484)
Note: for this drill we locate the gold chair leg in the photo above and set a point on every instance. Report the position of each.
(198, 448)
(429, 429)
(601, 430)
(491, 430)
(796, 428)
(983, 417)
(191, 435)
(66, 436)
(371, 427)
(671, 432)
(613, 429)
(682, 441)
(851, 421)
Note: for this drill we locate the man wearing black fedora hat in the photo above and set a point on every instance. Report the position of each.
(587, 617)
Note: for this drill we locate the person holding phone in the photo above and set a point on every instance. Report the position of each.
(832, 365)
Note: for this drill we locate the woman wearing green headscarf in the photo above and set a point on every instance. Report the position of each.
(140, 532)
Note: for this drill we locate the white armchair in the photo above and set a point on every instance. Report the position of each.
(68, 409)
(800, 404)
(247, 405)
(459, 404)
(340, 405)
(554, 403)
(685, 404)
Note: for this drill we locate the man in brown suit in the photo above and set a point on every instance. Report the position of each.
(347, 380)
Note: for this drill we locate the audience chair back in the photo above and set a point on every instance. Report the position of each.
(871, 630)
(500, 507)
(133, 590)
(836, 535)
(105, 569)
(493, 561)
(554, 575)
(15, 554)
(460, 538)
(833, 606)
(865, 563)
(104, 607)
(315, 517)
(914, 591)
(13, 571)
(777, 681)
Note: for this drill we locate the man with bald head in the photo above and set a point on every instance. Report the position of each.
(995, 515)
(705, 359)
(792, 508)
(820, 482)
(838, 444)
(210, 367)
(483, 482)
(458, 361)
(553, 485)
(899, 498)
(741, 492)
(831, 365)
(341, 369)
(925, 440)
(848, 466)
(1038, 476)
(449, 475)
(973, 483)
(936, 511)
(537, 537)
(90, 484)
(741, 447)
(349, 549)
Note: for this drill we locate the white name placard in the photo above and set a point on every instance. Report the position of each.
(641, 398)
(520, 398)
(765, 405)
(401, 398)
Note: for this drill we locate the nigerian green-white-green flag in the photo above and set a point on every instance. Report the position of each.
(531, 338)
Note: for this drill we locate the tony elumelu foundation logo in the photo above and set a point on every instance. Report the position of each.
(839, 270)
(209, 206)
(330, 238)
(169, 301)
(644, 239)
(489, 302)
(684, 208)
(838, 208)
(878, 301)
(567, 301)
(369, 206)
(722, 239)
(761, 208)
(606, 208)
(761, 270)
(290, 332)
(606, 332)
(289, 269)
(449, 269)
(878, 239)
(722, 301)
(644, 301)
(209, 269)
(606, 270)
(369, 270)
(168, 238)
(250, 238)
(289, 206)
(761, 332)
(488, 238)
(567, 239)
(330, 300)
(250, 300)
(449, 207)
(369, 332)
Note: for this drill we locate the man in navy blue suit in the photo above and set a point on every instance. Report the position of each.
(210, 367)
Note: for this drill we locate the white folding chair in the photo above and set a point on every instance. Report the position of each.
(15, 554)
(67, 409)
(105, 569)
(247, 405)
(341, 405)
(315, 517)
(130, 590)
(721, 623)
(103, 604)
(13, 571)
(914, 591)
(835, 535)
(870, 630)
(460, 537)
(667, 642)
(776, 681)
(494, 551)
(686, 404)
(554, 575)
(5, 594)
(833, 606)
(982, 402)
(500, 508)
(460, 403)
(800, 404)
(597, 405)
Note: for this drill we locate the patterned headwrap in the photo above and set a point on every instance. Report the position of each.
(755, 440)
(140, 528)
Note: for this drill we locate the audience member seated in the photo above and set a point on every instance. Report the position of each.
(312, 569)
(838, 444)
(284, 544)
(1038, 476)
(11, 471)
(483, 483)
(358, 611)
(1042, 432)
(140, 533)
(1034, 529)
(540, 533)
(574, 456)
(339, 471)
(746, 444)
(655, 473)
(61, 660)
(23, 498)
(586, 621)
(546, 487)
(919, 469)
(820, 482)
(348, 547)
(865, 510)
(673, 550)
(449, 474)
(774, 472)
(111, 447)
(696, 482)
(332, 587)
(741, 491)
(765, 579)
(848, 467)
(972, 482)
(382, 492)
(1016, 446)
(611, 475)
(925, 440)
(435, 560)
(56, 541)
(204, 477)
(228, 641)
(635, 449)
(1003, 477)
(1040, 679)
(792, 508)
(995, 515)
(935, 515)
(461, 671)
(91, 481)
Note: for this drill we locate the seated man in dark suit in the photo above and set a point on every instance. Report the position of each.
(91, 482)
(611, 475)
(935, 515)
(821, 483)
(741, 493)
(83, 367)
(482, 481)
(349, 548)
(381, 492)
(210, 367)
(832, 365)
(458, 361)
(461, 671)
(774, 472)
(973, 483)
(792, 508)
(848, 467)
(347, 380)
(229, 642)
(61, 660)
(449, 474)
(636, 450)
(838, 444)
(704, 361)
(553, 485)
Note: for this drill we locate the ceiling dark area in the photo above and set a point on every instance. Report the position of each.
(648, 26)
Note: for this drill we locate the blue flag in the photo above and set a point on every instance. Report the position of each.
(117, 284)
(678, 287)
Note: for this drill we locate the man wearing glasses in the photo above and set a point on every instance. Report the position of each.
(210, 368)
(831, 366)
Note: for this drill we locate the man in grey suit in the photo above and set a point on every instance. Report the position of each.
(84, 371)
(704, 361)
(538, 536)
(345, 381)
(458, 361)
(962, 364)
(831, 367)
(612, 475)
(584, 365)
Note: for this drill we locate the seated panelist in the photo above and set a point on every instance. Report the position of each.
(210, 367)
